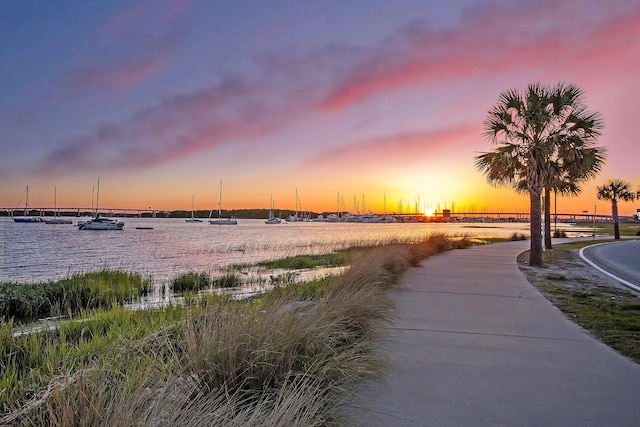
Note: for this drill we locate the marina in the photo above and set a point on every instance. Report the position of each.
(169, 246)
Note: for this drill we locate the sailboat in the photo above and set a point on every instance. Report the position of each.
(272, 219)
(99, 223)
(296, 218)
(221, 220)
(193, 218)
(57, 219)
(26, 218)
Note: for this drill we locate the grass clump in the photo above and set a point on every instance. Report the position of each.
(226, 281)
(337, 259)
(555, 276)
(190, 282)
(287, 357)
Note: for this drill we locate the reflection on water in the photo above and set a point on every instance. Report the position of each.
(41, 252)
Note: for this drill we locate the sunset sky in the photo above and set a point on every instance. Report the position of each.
(368, 99)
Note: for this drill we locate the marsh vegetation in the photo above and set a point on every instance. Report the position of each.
(288, 356)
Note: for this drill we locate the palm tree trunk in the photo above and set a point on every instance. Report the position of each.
(616, 226)
(547, 216)
(535, 253)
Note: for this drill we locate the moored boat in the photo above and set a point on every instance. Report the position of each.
(26, 218)
(272, 219)
(220, 220)
(100, 223)
(193, 217)
(57, 219)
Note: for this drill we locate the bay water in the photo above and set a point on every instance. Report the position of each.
(165, 248)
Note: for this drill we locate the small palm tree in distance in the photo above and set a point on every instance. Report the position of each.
(614, 190)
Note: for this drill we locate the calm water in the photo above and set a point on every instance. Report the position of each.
(40, 252)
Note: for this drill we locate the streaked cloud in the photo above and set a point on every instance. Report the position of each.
(177, 127)
(495, 39)
(398, 149)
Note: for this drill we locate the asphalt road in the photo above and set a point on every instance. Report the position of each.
(621, 258)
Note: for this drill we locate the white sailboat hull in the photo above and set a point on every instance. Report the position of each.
(223, 221)
(101, 224)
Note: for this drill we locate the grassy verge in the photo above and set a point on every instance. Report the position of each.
(286, 357)
(626, 229)
(588, 298)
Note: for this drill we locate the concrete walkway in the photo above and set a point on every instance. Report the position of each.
(476, 345)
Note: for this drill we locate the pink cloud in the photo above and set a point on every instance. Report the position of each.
(237, 109)
(399, 149)
(499, 39)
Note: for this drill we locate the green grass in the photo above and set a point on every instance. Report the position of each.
(190, 282)
(337, 259)
(226, 281)
(626, 229)
(610, 313)
(615, 321)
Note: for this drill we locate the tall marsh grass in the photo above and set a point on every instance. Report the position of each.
(103, 289)
(286, 357)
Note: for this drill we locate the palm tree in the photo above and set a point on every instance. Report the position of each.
(576, 163)
(544, 136)
(615, 190)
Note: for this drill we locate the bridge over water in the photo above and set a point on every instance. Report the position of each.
(438, 216)
(82, 211)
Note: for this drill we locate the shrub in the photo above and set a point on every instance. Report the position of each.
(559, 234)
(517, 236)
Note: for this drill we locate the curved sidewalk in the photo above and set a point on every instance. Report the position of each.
(476, 345)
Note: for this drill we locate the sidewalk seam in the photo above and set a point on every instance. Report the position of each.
(586, 341)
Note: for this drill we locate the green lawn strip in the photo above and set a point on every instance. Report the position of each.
(626, 228)
(611, 314)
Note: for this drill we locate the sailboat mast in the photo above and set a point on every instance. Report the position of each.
(220, 202)
(97, 199)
